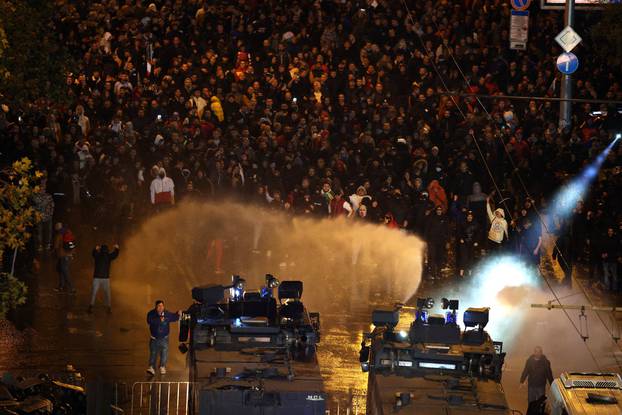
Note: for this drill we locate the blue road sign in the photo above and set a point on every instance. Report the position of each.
(567, 63)
(520, 4)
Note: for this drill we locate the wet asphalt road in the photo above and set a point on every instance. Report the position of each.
(114, 347)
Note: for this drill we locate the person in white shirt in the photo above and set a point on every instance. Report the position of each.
(162, 190)
(358, 197)
(498, 226)
(198, 102)
(83, 120)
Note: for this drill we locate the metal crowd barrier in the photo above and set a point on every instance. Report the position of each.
(160, 398)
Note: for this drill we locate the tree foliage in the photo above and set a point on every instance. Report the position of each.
(12, 293)
(32, 60)
(18, 183)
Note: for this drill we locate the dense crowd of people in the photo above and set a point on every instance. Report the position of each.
(327, 108)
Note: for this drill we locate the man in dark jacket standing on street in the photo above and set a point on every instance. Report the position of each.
(159, 320)
(468, 243)
(537, 372)
(101, 274)
(437, 236)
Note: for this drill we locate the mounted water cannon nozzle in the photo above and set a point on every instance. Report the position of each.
(476, 319)
(238, 284)
(267, 291)
(452, 305)
(385, 318)
(423, 305)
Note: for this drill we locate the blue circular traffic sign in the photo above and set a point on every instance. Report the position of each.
(567, 63)
(520, 4)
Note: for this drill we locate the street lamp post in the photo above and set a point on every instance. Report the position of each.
(565, 107)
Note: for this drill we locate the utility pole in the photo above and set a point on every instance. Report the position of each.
(565, 107)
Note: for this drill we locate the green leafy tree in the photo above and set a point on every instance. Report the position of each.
(18, 183)
(33, 61)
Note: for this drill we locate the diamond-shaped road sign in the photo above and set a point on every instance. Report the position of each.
(568, 39)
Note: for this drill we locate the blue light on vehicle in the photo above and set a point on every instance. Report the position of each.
(421, 315)
(266, 292)
(237, 323)
(450, 317)
(236, 293)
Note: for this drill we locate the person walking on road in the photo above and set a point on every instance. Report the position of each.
(101, 274)
(159, 320)
(62, 250)
(537, 373)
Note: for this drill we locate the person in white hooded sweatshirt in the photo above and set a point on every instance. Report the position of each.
(162, 191)
(498, 226)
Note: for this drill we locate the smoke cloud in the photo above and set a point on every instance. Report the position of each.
(348, 266)
(336, 259)
(348, 269)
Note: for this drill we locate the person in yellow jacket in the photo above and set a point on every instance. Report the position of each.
(216, 108)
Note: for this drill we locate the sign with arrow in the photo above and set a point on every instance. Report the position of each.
(567, 63)
(568, 39)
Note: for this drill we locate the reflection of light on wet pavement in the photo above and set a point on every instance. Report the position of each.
(320, 256)
(338, 358)
(319, 252)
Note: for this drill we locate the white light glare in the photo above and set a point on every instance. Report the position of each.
(500, 283)
(403, 334)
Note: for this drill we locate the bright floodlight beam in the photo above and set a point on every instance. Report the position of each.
(566, 199)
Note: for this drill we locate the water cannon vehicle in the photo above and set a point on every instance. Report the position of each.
(251, 352)
(431, 365)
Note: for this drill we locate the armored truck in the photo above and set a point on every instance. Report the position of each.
(432, 366)
(250, 352)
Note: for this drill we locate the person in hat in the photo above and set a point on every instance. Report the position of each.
(357, 197)
(498, 231)
(162, 190)
(339, 207)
